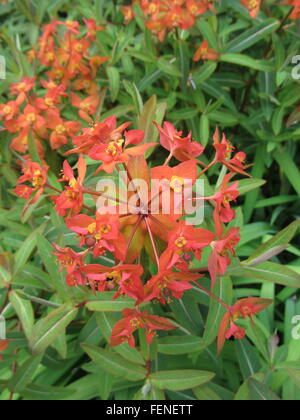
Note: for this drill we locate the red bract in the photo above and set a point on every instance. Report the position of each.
(205, 53)
(253, 6)
(72, 262)
(36, 176)
(224, 150)
(8, 110)
(184, 240)
(133, 320)
(182, 148)
(22, 88)
(116, 152)
(101, 133)
(220, 259)
(102, 234)
(61, 131)
(125, 279)
(87, 106)
(242, 309)
(72, 197)
(168, 283)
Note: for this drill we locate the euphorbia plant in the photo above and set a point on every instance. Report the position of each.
(167, 237)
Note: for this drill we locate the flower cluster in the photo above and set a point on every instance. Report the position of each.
(70, 73)
(175, 247)
(163, 16)
(244, 308)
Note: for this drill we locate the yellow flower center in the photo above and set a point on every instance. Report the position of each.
(60, 129)
(112, 149)
(49, 102)
(7, 109)
(21, 86)
(181, 242)
(37, 180)
(31, 117)
(176, 184)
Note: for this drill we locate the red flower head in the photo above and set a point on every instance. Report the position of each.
(133, 320)
(72, 262)
(102, 234)
(205, 53)
(72, 26)
(93, 28)
(62, 130)
(183, 148)
(176, 180)
(224, 150)
(87, 107)
(101, 133)
(242, 309)
(184, 240)
(72, 198)
(253, 6)
(219, 259)
(125, 278)
(3, 346)
(9, 110)
(166, 283)
(34, 174)
(32, 119)
(117, 151)
(128, 13)
(22, 88)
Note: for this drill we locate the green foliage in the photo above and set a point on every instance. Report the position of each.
(58, 347)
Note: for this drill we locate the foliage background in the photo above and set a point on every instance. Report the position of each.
(251, 95)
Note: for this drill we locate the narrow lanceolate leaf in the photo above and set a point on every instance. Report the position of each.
(135, 94)
(115, 364)
(248, 358)
(223, 290)
(268, 271)
(260, 392)
(247, 185)
(110, 305)
(114, 82)
(289, 167)
(48, 329)
(180, 380)
(36, 392)
(28, 246)
(252, 36)
(24, 311)
(245, 61)
(179, 345)
(25, 374)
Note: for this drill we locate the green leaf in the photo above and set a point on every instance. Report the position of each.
(180, 380)
(115, 364)
(24, 374)
(204, 393)
(247, 185)
(135, 94)
(48, 329)
(105, 303)
(245, 61)
(57, 279)
(179, 345)
(35, 392)
(114, 82)
(28, 246)
(260, 392)
(247, 357)
(268, 271)
(24, 311)
(282, 239)
(223, 290)
(289, 167)
(168, 67)
(252, 36)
